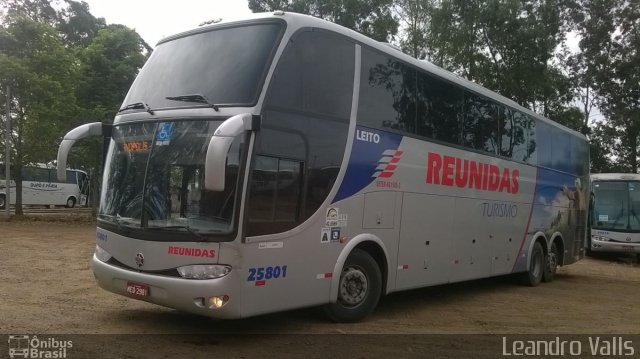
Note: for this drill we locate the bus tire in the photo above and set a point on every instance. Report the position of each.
(533, 276)
(3, 201)
(359, 289)
(71, 202)
(551, 263)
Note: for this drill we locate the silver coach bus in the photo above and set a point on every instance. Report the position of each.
(615, 213)
(283, 161)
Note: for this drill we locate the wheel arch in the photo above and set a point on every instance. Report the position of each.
(369, 243)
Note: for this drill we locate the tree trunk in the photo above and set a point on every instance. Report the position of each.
(18, 177)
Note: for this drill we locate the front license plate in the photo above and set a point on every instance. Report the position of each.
(138, 289)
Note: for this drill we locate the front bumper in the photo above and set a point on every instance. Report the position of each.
(614, 247)
(187, 295)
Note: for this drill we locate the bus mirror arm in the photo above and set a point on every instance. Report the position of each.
(219, 145)
(78, 133)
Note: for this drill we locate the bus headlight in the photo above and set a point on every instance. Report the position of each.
(204, 271)
(600, 238)
(102, 255)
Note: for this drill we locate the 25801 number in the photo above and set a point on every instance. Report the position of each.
(267, 273)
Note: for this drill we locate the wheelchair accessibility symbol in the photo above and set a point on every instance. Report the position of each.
(163, 136)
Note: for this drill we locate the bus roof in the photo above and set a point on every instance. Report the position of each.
(296, 21)
(615, 176)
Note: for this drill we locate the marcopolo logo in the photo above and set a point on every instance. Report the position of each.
(25, 346)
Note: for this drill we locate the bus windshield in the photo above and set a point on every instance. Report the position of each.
(225, 66)
(154, 176)
(616, 205)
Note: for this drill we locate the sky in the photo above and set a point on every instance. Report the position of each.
(154, 19)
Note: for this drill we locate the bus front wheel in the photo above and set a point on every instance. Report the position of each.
(3, 201)
(359, 289)
(533, 276)
(71, 202)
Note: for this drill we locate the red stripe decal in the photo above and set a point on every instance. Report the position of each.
(260, 283)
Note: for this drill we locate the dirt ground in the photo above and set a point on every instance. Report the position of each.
(46, 287)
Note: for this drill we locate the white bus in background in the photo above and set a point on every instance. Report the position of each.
(40, 187)
(283, 161)
(615, 213)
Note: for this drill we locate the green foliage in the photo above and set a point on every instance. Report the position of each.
(505, 45)
(77, 25)
(372, 18)
(65, 67)
(415, 17)
(108, 67)
(42, 76)
(610, 47)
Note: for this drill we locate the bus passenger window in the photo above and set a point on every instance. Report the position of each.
(274, 201)
(439, 105)
(387, 93)
(481, 123)
(521, 146)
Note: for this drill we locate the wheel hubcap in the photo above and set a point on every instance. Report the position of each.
(552, 261)
(353, 286)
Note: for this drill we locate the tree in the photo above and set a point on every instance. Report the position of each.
(42, 11)
(77, 25)
(415, 17)
(372, 18)
(109, 64)
(610, 43)
(506, 45)
(41, 73)
(66, 67)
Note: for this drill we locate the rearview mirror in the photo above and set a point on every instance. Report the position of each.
(219, 145)
(78, 133)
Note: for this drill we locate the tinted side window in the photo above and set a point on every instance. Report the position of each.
(387, 93)
(543, 140)
(274, 195)
(561, 150)
(71, 176)
(35, 174)
(315, 74)
(439, 105)
(481, 124)
(580, 155)
(520, 145)
(304, 131)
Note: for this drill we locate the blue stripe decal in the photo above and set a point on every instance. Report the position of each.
(368, 147)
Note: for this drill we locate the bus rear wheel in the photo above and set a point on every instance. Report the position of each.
(71, 202)
(533, 276)
(551, 265)
(3, 201)
(359, 289)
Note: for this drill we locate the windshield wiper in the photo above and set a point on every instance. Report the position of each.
(193, 98)
(137, 106)
(187, 228)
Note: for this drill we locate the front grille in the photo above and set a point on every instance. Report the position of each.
(167, 272)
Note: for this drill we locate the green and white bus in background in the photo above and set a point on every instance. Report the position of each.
(615, 213)
(283, 161)
(41, 187)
